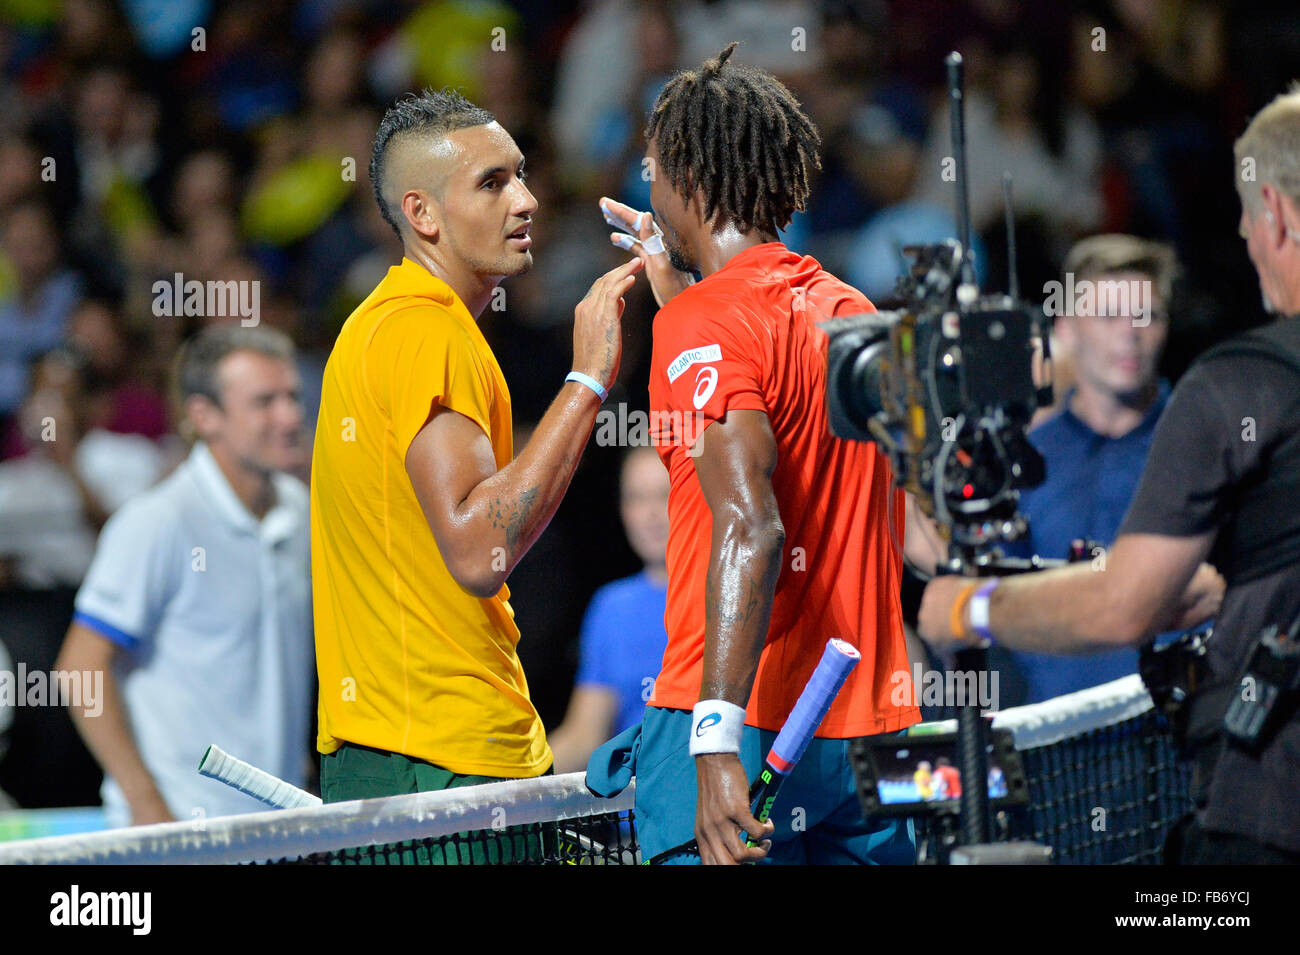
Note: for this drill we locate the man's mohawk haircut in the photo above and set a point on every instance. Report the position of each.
(428, 113)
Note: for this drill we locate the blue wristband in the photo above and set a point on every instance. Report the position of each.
(590, 382)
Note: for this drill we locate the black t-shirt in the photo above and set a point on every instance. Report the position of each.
(1233, 426)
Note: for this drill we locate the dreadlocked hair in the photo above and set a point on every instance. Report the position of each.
(739, 136)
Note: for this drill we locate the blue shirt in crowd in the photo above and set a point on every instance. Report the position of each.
(623, 641)
(1091, 479)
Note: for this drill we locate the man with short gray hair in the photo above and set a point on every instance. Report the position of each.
(1221, 483)
(197, 607)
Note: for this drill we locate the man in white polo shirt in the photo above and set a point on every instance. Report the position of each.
(197, 607)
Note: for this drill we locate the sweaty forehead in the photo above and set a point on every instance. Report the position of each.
(474, 150)
(431, 162)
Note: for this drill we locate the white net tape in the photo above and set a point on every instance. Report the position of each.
(1042, 724)
(292, 833)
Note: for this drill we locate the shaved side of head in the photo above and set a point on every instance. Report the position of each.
(413, 132)
(415, 160)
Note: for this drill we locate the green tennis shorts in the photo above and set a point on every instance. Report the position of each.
(360, 772)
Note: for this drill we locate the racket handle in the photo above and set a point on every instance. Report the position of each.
(836, 663)
(764, 791)
(261, 785)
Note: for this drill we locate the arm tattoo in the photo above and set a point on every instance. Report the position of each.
(519, 519)
(513, 518)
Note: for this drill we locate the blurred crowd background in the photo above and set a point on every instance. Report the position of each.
(134, 147)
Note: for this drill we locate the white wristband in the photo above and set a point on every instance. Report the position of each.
(716, 727)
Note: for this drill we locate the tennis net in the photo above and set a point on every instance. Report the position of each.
(1105, 784)
(550, 820)
(1100, 749)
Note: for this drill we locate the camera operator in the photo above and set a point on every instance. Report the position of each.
(1220, 483)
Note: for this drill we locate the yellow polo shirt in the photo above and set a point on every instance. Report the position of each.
(409, 661)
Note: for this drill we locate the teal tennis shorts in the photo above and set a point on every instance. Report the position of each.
(817, 816)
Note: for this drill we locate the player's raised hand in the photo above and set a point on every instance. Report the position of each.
(639, 235)
(597, 323)
(722, 811)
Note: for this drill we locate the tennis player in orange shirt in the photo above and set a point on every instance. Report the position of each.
(781, 535)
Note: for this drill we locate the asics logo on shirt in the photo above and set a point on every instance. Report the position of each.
(704, 388)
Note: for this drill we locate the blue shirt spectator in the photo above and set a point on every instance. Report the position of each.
(1091, 478)
(623, 635)
(623, 640)
(1112, 321)
(45, 293)
(29, 329)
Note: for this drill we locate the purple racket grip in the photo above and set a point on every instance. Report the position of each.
(814, 701)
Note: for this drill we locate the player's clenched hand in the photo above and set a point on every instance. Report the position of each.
(597, 324)
(665, 281)
(722, 811)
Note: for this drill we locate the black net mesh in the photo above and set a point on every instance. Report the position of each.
(605, 839)
(1106, 797)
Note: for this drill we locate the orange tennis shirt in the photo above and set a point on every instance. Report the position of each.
(746, 338)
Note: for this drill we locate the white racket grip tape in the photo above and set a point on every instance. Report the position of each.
(261, 785)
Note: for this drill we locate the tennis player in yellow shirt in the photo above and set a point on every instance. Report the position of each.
(419, 508)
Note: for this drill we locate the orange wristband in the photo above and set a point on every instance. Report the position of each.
(957, 621)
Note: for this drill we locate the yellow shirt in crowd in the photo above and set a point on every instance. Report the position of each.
(409, 661)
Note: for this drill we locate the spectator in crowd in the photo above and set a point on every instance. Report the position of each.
(1052, 150)
(1149, 77)
(120, 395)
(49, 511)
(1114, 328)
(197, 608)
(20, 170)
(623, 635)
(35, 319)
(873, 126)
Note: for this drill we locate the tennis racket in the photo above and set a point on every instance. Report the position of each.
(261, 785)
